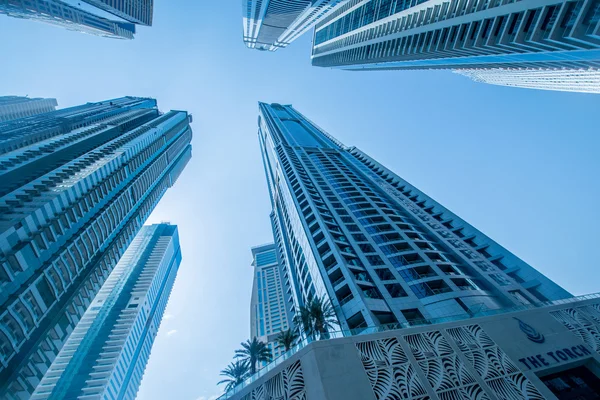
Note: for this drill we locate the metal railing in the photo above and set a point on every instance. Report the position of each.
(390, 327)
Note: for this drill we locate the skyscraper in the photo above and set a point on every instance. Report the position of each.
(460, 34)
(429, 307)
(109, 18)
(270, 304)
(273, 24)
(379, 249)
(76, 185)
(107, 353)
(14, 107)
(584, 80)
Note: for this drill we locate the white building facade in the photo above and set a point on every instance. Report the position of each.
(553, 35)
(107, 353)
(14, 107)
(273, 24)
(270, 304)
(583, 81)
(550, 352)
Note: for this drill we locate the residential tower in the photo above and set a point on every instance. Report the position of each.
(76, 186)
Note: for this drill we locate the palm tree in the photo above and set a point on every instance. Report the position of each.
(235, 372)
(317, 317)
(287, 338)
(303, 321)
(254, 351)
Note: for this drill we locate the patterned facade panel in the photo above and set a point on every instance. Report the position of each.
(491, 363)
(516, 387)
(400, 382)
(428, 344)
(470, 337)
(287, 385)
(584, 322)
(382, 353)
(474, 392)
(393, 376)
(446, 373)
(390, 373)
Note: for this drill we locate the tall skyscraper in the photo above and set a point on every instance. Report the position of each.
(273, 24)
(460, 34)
(437, 310)
(107, 353)
(270, 305)
(109, 18)
(14, 107)
(379, 249)
(584, 81)
(76, 185)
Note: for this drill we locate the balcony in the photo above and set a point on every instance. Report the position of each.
(346, 299)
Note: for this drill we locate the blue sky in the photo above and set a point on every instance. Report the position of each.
(521, 165)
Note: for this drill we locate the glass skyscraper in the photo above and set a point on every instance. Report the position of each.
(15, 107)
(379, 249)
(107, 353)
(273, 24)
(109, 18)
(76, 186)
(271, 304)
(460, 34)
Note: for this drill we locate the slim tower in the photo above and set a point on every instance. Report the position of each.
(107, 353)
(107, 18)
(273, 24)
(76, 185)
(558, 35)
(14, 107)
(270, 304)
(380, 250)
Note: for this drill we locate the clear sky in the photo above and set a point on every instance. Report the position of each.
(521, 165)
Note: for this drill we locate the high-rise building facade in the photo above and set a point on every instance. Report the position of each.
(460, 34)
(584, 81)
(273, 24)
(15, 107)
(108, 18)
(107, 353)
(379, 249)
(76, 185)
(270, 304)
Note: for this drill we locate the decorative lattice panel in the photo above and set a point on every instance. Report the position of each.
(492, 364)
(393, 376)
(583, 322)
(447, 374)
(287, 385)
